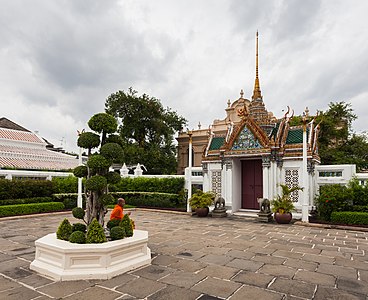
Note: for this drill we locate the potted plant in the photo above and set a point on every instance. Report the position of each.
(201, 201)
(282, 205)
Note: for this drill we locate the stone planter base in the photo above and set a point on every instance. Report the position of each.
(64, 261)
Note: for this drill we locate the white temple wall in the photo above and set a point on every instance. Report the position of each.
(236, 185)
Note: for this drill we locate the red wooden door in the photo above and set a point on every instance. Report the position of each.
(252, 183)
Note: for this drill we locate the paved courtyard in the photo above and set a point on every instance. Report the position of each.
(202, 258)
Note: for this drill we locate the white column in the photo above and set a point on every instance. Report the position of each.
(265, 182)
(305, 204)
(79, 199)
(189, 209)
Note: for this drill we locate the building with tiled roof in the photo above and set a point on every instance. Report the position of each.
(248, 154)
(22, 149)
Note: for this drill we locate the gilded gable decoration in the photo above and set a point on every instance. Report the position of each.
(246, 140)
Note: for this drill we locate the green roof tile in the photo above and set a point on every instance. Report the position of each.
(295, 136)
(216, 143)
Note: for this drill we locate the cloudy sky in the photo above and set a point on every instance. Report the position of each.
(60, 60)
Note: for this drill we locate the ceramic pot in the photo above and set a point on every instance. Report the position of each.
(202, 211)
(283, 218)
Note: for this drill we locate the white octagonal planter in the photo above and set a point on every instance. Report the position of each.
(62, 260)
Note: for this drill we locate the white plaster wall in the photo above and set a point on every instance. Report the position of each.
(236, 185)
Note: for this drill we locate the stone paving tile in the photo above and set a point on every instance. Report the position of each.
(250, 292)
(141, 287)
(35, 280)
(352, 285)
(301, 264)
(245, 264)
(240, 254)
(293, 287)
(251, 278)
(287, 254)
(95, 293)
(188, 265)
(195, 255)
(215, 259)
(64, 288)
(261, 250)
(19, 293)
(153, 272)
(164, 260)
(6, 284)
(10, 265)
(306, 250)
(277, 245)
(276, 270)
(325, 293)
(173, 292)
(218, 271)
(316, 278)
(338, 271)
(318, 258)
(351, 263)
(268, 259)
(215, 250)
(217, 287)
(364, 275)
(183, 279)
(116, 281)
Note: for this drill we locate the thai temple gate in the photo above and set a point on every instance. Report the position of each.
(248, 154)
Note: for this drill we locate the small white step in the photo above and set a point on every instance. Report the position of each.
(246, 213)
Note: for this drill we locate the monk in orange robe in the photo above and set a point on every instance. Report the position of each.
(118, 211)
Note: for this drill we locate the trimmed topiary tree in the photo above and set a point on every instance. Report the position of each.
(78, 237)
(64, 230)
(97, 169)
(95, 233)
(117, 233)
(79, 227)
(127, 224)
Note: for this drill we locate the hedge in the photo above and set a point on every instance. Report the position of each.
(349, 217)
(146, 199)
(69, 200)
(64, 185)
(24, 209)
(18, 189)
(25, 200)
(171, 185)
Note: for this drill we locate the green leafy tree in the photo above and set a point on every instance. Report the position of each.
(147, 130)
(97, 169)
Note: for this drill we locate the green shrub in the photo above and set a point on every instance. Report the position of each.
(64, 230)
(97, 161)
(95, 233)
(19, 189)
(112, 223)
(112, 151)
(70, 199)
(88, 140)
(148, 199)
(117, 233)
(65, 184)
(80, 171)
(25, 200)
(172, 185)
(78, 213)
(96, 183)
(79, 227)
(107, 199)
(126, 223)
(113, 177)
(25, 209)
(357, 193)
(347, 217)
(77, 237)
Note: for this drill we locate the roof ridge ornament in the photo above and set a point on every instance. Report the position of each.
(257, 89)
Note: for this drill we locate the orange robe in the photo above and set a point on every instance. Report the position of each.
(117, 213)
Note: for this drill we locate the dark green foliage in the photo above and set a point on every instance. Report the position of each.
(80, 171)
(146, 199)
(70, 199)
(107, 199)
(282, 203)
(96, 183)
(147, 130)
(98, 162)
(88, 140)
(113, 177)
(78, 213)
(25, 209)
(64, 230)
(95, 233)
(112, 223)
(77, 237)
(117, 233)
(79, 227)
(112, 151)
(70, 203)
(65, 184)
(25, 200)
(347, 217)
(201, 200)
(103, 122)
(172, 185)
(114, 138)
(19, 189)
(126, 223)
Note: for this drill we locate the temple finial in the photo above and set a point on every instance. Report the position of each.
(241, 93)
(257, 89)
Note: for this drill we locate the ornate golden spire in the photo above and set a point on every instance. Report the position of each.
(257, 89)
